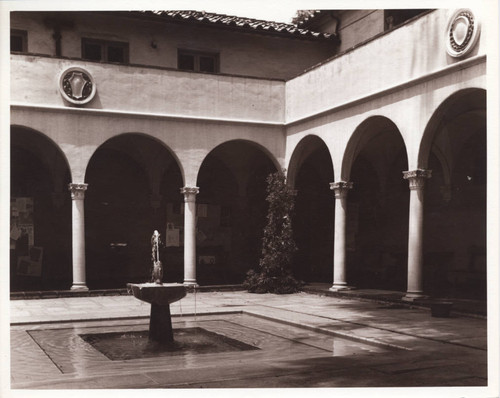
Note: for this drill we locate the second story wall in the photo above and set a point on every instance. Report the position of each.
(375, 66)
(155, 42)
(35, 81)
(357, 26)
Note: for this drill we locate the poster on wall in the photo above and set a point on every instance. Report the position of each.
(21, 222)
(22, 237)
(172, 236)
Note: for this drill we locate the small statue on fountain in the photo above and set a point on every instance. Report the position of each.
(157, 274)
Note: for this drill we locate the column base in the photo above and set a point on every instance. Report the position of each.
(337, 288)
(414, 296)
(190, 283)
(79, 286)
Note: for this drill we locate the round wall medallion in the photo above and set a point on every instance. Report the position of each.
(462, 33)
(77, 86)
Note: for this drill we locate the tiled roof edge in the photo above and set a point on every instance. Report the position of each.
(258, 25)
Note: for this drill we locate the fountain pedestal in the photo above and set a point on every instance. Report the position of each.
(160, 296)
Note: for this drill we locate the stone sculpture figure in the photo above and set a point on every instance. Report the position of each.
(157, 275)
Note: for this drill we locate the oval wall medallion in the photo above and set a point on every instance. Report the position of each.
(462, 33)
(77, 86)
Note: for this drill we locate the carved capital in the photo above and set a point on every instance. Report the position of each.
(77, 191)
(341, 188)
(417, 178)
(190, 193)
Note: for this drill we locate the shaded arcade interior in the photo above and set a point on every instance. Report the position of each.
(134, 185)
(313, 218)
(40, 216)
(454, 148)
(231, 211)
(377, 207)
(132, 179)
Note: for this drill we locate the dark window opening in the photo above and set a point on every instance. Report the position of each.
(116, 54)
(393, 18)
(198, 62)
(207, 64)
(186, 62)
(101, 50)
(92, 51)
(18, 40)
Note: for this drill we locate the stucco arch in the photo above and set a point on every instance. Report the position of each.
(231, 209)
(362, 135)
(143, 136)
(302, 150)
(465, 100)
(40, 172)
(253, 144)
(36, 145)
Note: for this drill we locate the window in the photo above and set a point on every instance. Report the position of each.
(394, 18)
(18, 40)
(108, 51)
(198, 61)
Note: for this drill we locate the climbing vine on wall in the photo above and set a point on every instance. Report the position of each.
(274, 273)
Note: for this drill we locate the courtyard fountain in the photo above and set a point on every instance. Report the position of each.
(160, 295)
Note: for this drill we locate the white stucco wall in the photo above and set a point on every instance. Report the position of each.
(80, 132)
(35, 81)
(407, 53)
(358, 26)
(410, 109)
(192, 112)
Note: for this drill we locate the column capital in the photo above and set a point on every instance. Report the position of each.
(417, 178)
(77, 191)
(341, 188)
(190, 193)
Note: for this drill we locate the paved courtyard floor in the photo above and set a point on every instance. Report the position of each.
(300, 340)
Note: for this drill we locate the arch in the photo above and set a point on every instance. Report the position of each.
(42, 139)
(143, 135)
(134, 182)
(368, 130)
(231, 210)
(454, 244)
(253, 144)
(465, 100)
(40, 175)
(305, 147)
(310, 173)
(377, 206)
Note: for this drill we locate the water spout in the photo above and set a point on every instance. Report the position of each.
(157, 274)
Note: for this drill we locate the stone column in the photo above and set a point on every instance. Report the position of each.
(190, 235)
(416, 180)
(340, 189)
(78, 226)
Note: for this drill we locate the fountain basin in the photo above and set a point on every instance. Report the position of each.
(152, 293)
(160, 296)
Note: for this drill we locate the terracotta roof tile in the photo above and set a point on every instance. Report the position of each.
(244, 23)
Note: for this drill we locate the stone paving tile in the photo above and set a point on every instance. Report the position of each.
(123, 381)
(32, 363)
(411, 328)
